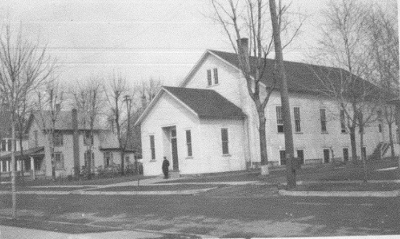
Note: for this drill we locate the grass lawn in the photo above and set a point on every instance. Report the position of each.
(93, 181)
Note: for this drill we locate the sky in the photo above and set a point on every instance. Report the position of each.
(140, 39)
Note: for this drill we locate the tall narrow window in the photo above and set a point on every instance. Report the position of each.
(215, 76)
(152, 148)
(107, 159)
(209, 79)
(88, 139)
(35, 135)
(322, 113)
(297, 119)
(3, 145)
(326, 153)
(9, 145)
(59, 160)
(379, 113)
(342, 121)
(189, 143)
(279, 120)
(282, 157)
(58, 139)
(89, 157)
(225, 142)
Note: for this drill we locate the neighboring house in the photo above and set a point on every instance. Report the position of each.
(6, 146)
(209, 123)
(104, 144)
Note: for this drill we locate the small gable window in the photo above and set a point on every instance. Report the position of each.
(212, 77)
(215, 76)
(209, 79)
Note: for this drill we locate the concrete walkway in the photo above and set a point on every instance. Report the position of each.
(7, 232)
(156, 181)
(160, 181)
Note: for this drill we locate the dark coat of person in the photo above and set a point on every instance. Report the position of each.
(165, 166)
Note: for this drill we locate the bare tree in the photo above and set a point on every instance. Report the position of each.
(115, 93)
(250, 18)
(48, 108)
(89, 99)
(143, 94)
(343, 39)
(383, 43)
(24, 66)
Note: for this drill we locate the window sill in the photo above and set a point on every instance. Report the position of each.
(189, 157)
(325, 132)
(226, 155)
(152, 161)
(209, 86)
(298, 132)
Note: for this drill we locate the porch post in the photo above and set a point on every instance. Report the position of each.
(33, 168)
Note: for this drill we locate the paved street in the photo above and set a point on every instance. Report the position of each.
(240, 204)
(215, 214)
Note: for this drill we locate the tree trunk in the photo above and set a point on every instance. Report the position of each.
(263, 144)
(122, 154)
(391, 140)
(13, 175)
(53, 164)
(353, 144)
(363, 157)
(289, 148)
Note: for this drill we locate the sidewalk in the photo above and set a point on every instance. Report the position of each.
(204, 183)
(155, 182)
(7, 232)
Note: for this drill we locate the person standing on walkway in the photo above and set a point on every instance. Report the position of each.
(165, 166)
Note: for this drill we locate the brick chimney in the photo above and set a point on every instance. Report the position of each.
(243, 43)
(243, 46)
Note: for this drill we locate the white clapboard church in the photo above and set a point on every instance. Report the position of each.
(209, 123)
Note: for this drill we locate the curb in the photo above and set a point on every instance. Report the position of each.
(385, 194)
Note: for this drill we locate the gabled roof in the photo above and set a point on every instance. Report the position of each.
(63, 121)
(207, 103)
(203, 103)
(301, 77)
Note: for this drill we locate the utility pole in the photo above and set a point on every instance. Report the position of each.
(287, 124)
(128, 102)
